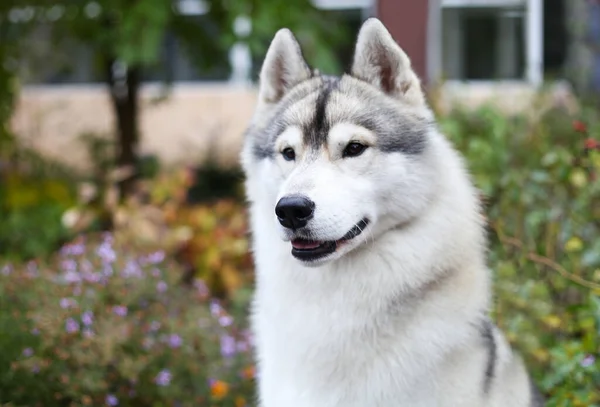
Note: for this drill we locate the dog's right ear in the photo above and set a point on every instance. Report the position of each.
(283, 68)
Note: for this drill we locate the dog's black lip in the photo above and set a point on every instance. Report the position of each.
(329, 247)
(356, 230)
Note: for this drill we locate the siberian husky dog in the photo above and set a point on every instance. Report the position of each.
(372, 287)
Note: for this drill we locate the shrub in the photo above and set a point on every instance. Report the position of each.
(106, 327)
(540, 179)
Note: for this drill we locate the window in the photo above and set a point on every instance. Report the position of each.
(483, 43)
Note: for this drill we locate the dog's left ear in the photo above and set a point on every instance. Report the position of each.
(380, 61)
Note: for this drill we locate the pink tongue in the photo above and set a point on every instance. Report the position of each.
(305, 244)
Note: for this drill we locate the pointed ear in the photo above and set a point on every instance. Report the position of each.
(379, 61)
(283, 68)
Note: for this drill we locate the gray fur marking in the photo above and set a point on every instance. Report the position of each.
(487, 332)
(397, 131)
(315, 132)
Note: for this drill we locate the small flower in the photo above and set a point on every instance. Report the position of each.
(71, 326)
(88, 333)
(87, 318)
(163, 378)
(228, 346)
(215, 308)
(66, 303)
(111, 400)
(35, 369)
(591, 144)
(225, 320)
(35, 331)
(202, 288)
(73, 249)
(7, 269)
(161, 287)
(72, 277)
(154, 326)
(132, 269)
(155, 272)
(156, 257)
(588, 361)
(106, 252)
(69, 265)
(218, 388)
(242, 346)
(120, 310)
(579, 126)
(91, 277)
(249, 372)
(175, 341)
(27, 352)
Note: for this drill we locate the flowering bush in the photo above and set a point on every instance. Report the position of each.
(539, 176)
(106, 327)
(101, 326)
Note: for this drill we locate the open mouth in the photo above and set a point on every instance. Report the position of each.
(310, 250)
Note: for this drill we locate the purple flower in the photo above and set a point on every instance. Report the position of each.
(87, 318)
(132, 269)
(202, 288)
(35, 369)
(155, 272)
(77, 290)
(228, 346)
(71, 326)
(163, 378)
(242, 346)
(35, 331)
(7, 269)
(72, 277)
(69, 265)
(27, 352)
(106, 252)
(156, 257)
(73, 249)
(120, 310)
(91, 277)
(215, 308)
(225, 320)
(588, 361)
(175, 341)
(161, 287)
(111, 400)
(154, 326)
(67, 303)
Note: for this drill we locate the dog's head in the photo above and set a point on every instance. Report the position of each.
(339, 160)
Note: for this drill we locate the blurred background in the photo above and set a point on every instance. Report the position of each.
(125, 272)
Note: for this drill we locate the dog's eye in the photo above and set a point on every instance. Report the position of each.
(289, 154)
(354, 149)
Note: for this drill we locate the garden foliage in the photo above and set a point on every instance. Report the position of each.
(107, 322)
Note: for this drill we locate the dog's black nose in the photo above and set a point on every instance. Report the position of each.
(294, 211)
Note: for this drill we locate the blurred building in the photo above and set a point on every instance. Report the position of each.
(479, 49)
(456, 40)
